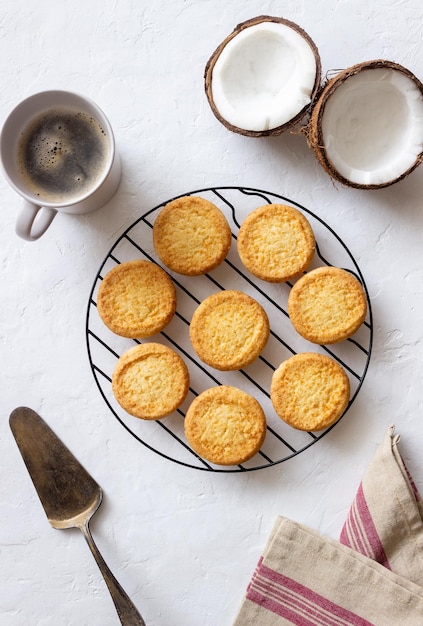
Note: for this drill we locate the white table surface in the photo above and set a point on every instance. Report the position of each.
(184, 542)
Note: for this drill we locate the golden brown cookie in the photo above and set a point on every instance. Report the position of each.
(150, 381)
(327, 305)
(229, 329)
(310, 391)
(276, 242)
(225, 425)
(191, 236)
(136, 299)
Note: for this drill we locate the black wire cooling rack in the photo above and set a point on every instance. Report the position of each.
(166, 436)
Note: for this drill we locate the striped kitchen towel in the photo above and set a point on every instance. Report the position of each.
(373, 576)
(385, 519)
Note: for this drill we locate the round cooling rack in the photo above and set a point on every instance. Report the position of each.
(166, 436)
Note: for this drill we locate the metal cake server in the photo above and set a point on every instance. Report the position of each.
(69, 495)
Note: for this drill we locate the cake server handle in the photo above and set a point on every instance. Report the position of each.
(126, 610)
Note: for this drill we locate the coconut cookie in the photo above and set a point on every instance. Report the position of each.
(225, 425)
(136, 299)
(229, 329)
(191, 236)
(276, 242)
(310, 391)
(150, 381)
(327, 305)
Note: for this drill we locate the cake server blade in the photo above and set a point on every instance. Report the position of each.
(69, 495)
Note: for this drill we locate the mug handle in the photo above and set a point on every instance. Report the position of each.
(33, 221)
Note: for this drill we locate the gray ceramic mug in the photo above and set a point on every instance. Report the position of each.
(57, 150)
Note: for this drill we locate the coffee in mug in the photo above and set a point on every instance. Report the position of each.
(62, 155)
(58, 152)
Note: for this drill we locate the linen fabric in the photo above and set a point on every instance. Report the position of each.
(372, 576)
(385, 519)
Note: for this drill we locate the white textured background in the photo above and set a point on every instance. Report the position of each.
(182, 542)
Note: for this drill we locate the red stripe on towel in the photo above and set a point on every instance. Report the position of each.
(356, 532)
(359, 522)
(412, 483)
(296, 603)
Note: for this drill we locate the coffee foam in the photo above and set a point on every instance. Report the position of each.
(62, 155)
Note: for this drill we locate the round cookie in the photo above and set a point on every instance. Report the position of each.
(191, 236)
(225, 425)
(327, 305)
(276, 242)
(150, 381)
(310, 391)
(136, 299)
(229, 329)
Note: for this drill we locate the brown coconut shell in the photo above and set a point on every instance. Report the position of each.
(208, 74)
(313, 130)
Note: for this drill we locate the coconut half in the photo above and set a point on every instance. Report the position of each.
(366, 128)
(263, 77)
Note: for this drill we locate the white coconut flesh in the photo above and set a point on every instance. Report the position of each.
(372, 126)
(263, 77)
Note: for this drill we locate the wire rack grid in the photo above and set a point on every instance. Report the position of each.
(166, 436)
